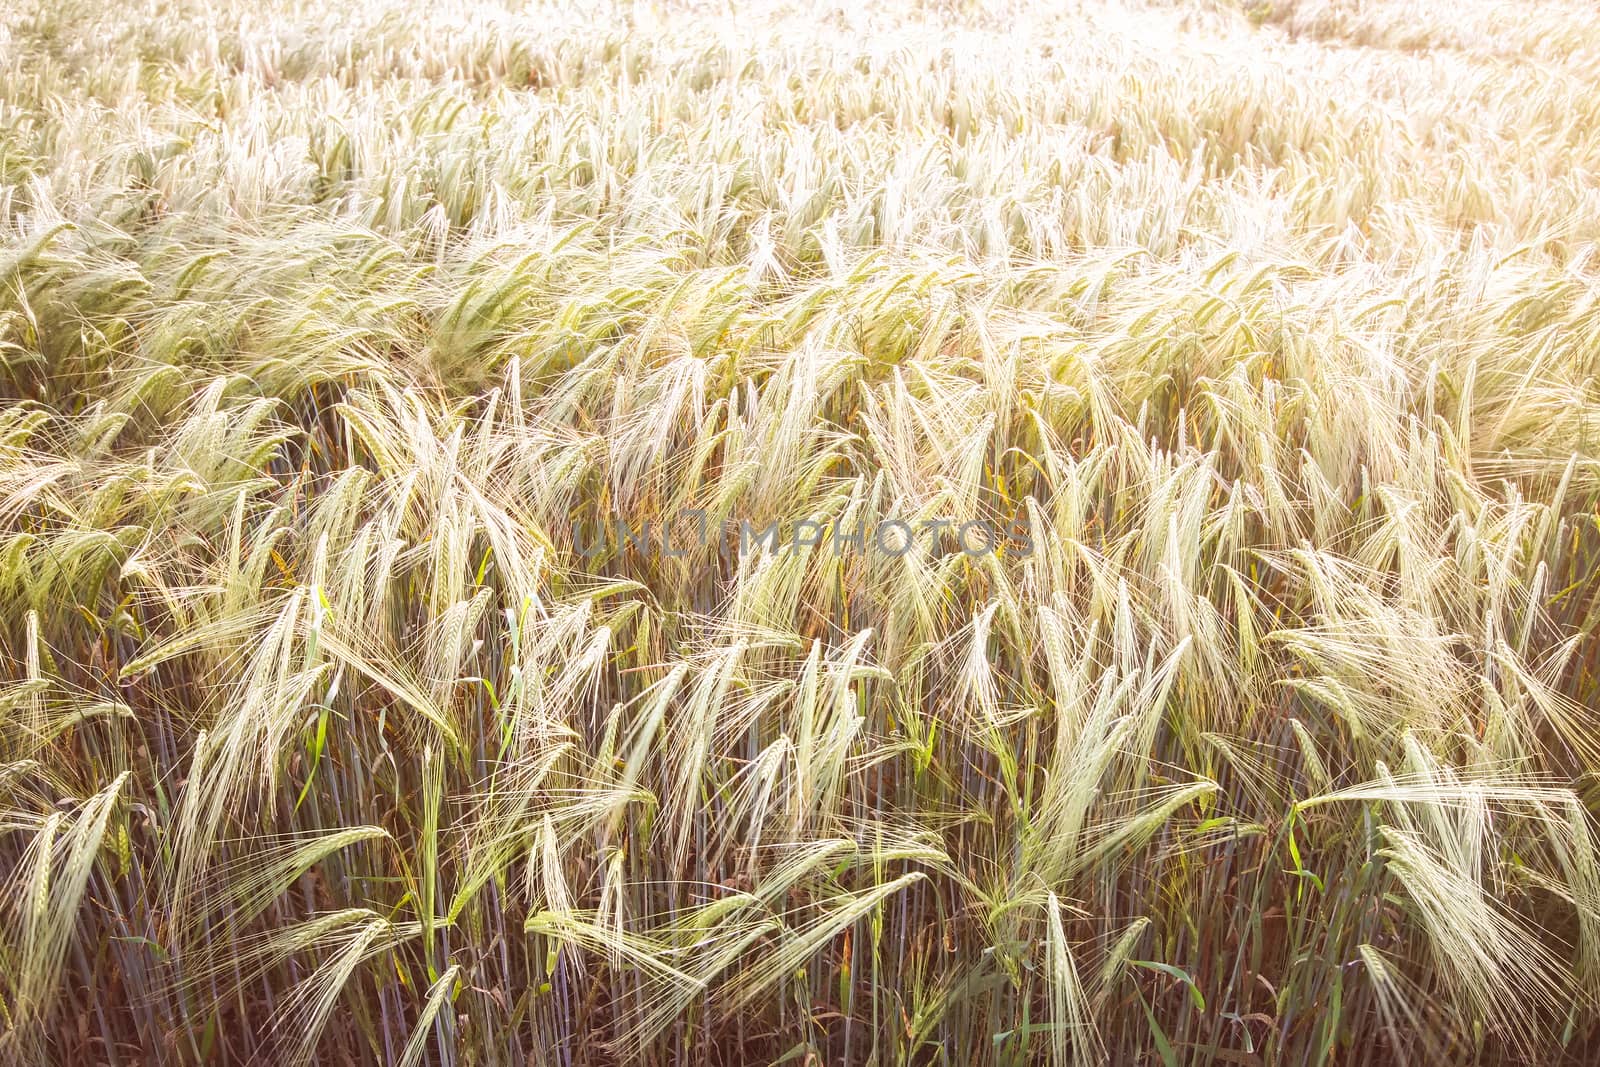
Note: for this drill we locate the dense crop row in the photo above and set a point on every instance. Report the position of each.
(1268, 734)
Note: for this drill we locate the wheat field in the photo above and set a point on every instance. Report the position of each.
(939, 533)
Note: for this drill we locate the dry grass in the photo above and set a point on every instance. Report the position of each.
(1274, 329)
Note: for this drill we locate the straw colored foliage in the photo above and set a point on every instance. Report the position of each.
(1269, 332)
